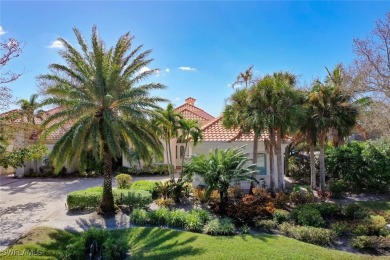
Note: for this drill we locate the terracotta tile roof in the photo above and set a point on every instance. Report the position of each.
(214, 131)
(190, 111)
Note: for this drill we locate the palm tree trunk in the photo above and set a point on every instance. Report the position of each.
(167, 145)
(185, 152)
(279, 161)
(322, 161)
(107, 203)
(313, 182)
(255, 148)
(272, 159)
(170, 158)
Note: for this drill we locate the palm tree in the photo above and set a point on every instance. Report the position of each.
(189, 130)
(102, 103)
(244, 78)
(220, 168)
(239, 114)
(332, 109)
(28, 109)
(168, 122)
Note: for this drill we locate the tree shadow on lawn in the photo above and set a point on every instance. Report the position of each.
(264, 237)
(158, 243)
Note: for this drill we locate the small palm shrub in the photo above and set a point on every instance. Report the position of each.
(123, 181)
(90, 244)
(245, 229)
(218, 227)
(313, 235)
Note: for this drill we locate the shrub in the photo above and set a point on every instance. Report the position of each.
(235, 192)
(200, 195)
(167, 203)
(354, 211)
(281, 215)
(313, 235)
(307, 216)
(91, 197)
(266, 225)
(177, 218)
(374, 242)
(245, 229)
(301, 197)
(219, 227)
(193, 222)
(89, 245)
(123, 181)
(370, 226)
(153, 169)
(204, 215)
(281, 200)
(159, 216)
(340, 228)
(337, 188)
(361, 230)
(140, 217)
(145, 185)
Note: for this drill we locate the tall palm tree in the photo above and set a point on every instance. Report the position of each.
(189, 130)
(168, 122)
(244, 78)
(103, 104)
(239, 114)
(332, 109)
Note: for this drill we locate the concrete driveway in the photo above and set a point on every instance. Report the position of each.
(29, 203)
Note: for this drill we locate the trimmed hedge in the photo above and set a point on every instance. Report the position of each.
(154, 169)
(144, 185)
(91, 197)
(317, 236)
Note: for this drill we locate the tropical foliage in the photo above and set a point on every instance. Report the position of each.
(103, 103)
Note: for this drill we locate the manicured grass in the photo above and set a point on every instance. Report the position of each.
(378, 207)
(157, 243)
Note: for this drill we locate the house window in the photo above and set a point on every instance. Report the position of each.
(261, 164)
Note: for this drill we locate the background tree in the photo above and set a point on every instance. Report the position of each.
(189, 129)
(245, 78)
(103, 103)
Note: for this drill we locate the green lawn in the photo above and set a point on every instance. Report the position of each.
(157, 243)
(378, 207)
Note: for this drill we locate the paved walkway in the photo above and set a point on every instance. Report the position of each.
(29, 203)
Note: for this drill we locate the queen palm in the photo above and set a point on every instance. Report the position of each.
(189, 130)
(168, 122)
(332, 108)
(102, 103)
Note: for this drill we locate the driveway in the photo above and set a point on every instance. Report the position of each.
(29, 203)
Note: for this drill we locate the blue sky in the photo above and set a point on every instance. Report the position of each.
(215, 39)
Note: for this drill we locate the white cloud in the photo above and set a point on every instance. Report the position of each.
(229, 85)
(144, 69)
(177, 98)
(56, 45)
(167, 70)
(186, 68)
(2, 31)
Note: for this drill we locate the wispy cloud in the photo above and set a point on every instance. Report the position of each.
(229, 85)
(167, 70)
(177, 99)
(144, 69)
(184, 68)
(2, 31)
(56, 45)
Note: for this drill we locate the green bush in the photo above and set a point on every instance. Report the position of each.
(301, 197)
(145, 185)
(266, 225)
(354, 211)
(140, 217)
(123, 181)
(361, 230)
(91, 197)
(364, 166)
(337, 188)
(203, 214)
(281, 215)
(177, 218)
(307, 216)
(313, 235)
(217, 227)
(193, 222)
(153, 169)
(327, 210)
(340, 228)
(371, 242)
(95, 239)
(370, 226)
(159, 216)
